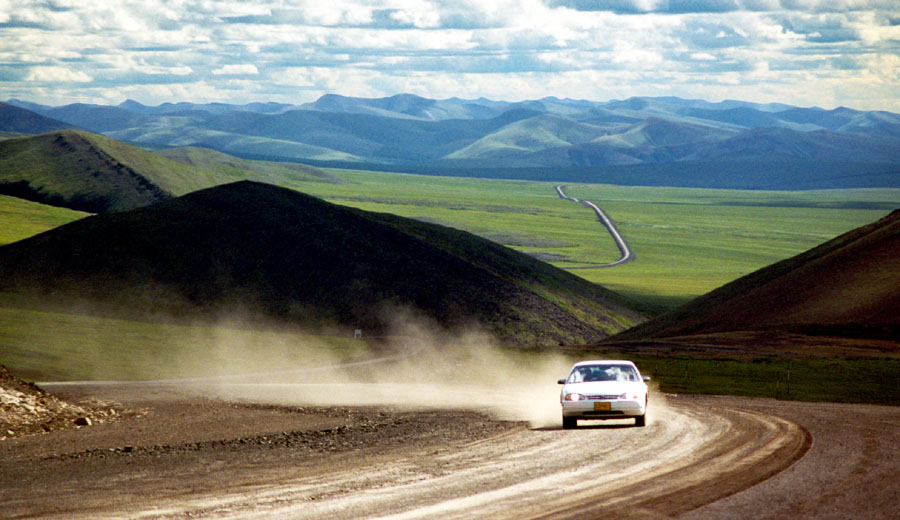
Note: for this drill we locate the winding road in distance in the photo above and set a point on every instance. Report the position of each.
(627, 253)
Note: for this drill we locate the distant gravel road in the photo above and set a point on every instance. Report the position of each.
(624, 249)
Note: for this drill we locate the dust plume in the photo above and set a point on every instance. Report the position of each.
(414, 366)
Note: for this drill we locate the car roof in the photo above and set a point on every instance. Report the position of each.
(604, 362)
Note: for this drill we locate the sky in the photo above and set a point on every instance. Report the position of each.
(824, 53)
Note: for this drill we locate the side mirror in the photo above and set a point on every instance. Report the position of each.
(561, 382)
(646, 379)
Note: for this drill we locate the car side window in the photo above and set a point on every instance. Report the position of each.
(579, 375)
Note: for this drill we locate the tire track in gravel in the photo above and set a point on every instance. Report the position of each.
(687, 457)
(753, 448)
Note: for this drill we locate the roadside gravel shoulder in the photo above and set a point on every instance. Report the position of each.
(849, 472)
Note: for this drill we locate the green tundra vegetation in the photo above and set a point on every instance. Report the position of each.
(21, 218)
(63, 345)
(875, 380)
(686, 241)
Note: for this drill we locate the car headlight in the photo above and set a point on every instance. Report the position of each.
(630, 396)
(574, 397)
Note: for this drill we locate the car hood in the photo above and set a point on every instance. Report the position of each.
(605, 387)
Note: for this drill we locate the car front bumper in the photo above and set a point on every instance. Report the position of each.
(590, 409)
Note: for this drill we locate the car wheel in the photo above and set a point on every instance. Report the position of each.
(640, 420)
(569, 423)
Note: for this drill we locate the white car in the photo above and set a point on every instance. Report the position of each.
(603, 389)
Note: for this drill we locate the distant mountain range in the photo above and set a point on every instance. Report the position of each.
(649, 141)
(258, 250)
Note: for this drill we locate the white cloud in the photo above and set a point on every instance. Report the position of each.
(234, 70)
(468, 48)
(57, 74)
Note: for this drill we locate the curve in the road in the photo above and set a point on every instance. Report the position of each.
(687, 457)
(624, 248)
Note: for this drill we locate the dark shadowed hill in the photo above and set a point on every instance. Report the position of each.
(255, 248)
(847, 287)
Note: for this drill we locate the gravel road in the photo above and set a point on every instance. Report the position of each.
(603, 218)
(176, 455)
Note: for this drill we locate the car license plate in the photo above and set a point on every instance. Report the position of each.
(601, 406)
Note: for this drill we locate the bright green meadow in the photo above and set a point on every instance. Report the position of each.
(686, 241)
(53, 345)
(21, 218)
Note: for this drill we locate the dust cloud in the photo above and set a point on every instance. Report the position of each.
(414, 366)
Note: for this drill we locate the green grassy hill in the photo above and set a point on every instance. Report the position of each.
(225, 166)
(256, 249)
(638, 141)
(92, 173)
(536, 134)
(846, 287)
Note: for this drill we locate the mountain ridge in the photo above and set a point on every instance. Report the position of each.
(93, 173)
(422, 134)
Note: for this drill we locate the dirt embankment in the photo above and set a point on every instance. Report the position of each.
(26, 409)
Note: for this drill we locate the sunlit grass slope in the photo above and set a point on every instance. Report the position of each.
(50, 345)
(227, 168)
(21, 218)
(687, 241)
(89, 172)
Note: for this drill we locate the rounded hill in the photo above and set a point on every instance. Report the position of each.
(85, 172)
(847, 287)
(263, 250)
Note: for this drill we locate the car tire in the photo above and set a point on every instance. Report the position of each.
(569, 423)
(640, 420)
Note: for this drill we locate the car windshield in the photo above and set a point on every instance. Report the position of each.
(586, 373)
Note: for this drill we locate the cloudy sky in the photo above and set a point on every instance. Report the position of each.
(823, 53)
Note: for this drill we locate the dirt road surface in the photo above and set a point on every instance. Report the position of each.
(180, 455)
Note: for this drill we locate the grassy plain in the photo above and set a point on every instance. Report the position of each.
(846, 380)
(40, 344)
(686, 241)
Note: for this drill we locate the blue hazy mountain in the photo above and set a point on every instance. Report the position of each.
(18, 120)
(549, 138)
